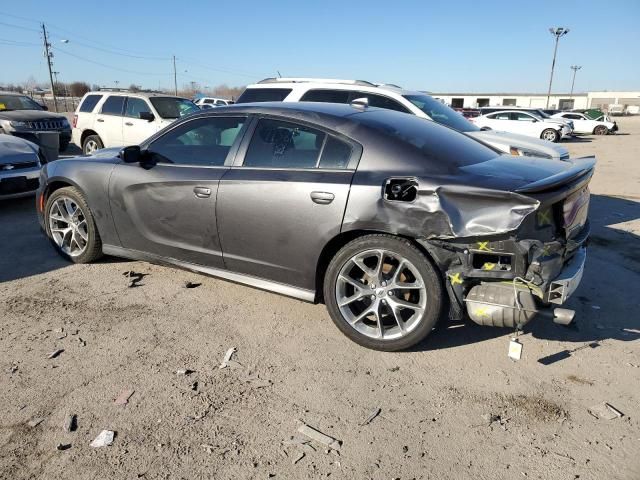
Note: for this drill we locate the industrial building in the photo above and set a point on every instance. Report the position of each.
(563, 101)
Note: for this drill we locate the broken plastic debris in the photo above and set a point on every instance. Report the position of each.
(55, 353)
(63, 446)
(104, 439)
(191, 285)
(370, 418)
(183, 371)
(227, 357)
(35, 422)
(605, 411)
(515, 349)
(123, 397)
(298, 457)
(319, 437)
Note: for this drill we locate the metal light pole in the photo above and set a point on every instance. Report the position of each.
(556, 32)
(575, 69)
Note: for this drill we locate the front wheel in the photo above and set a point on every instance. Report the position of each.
(70, 226)
(601, 130)
(383, 293)
(550, 135)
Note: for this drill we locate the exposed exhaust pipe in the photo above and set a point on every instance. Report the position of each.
(495, 304)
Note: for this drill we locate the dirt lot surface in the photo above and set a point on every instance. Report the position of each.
(455, 407)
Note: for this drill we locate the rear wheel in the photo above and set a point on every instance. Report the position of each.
(601, 130)
(91, 144)
(70, 226)
(383, 293)
(550, 135)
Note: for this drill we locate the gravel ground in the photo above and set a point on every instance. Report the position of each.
(455, 407)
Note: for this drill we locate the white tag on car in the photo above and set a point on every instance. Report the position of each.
(515, 349)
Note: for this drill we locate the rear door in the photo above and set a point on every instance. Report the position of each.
(108, 122)
(134, 129)
(284, 199)
(167, 207)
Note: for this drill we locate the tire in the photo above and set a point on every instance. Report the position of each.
(91, 144)
(424, 296)
(601, 130)
(84, 234)
(550, 135)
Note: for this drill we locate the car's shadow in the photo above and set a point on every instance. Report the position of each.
(604, 302)
(577, 139)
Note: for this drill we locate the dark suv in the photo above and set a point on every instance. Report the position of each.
(23, 117)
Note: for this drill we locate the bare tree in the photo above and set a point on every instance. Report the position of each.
(78, 89)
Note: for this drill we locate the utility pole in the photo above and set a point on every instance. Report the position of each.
(556, 32)
(175, 77)
(49, 56)
(575, 69)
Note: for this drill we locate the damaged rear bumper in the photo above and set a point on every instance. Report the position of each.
(513, 304)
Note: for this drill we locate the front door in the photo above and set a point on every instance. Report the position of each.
(135, 129)
(167, 206)
(284, 200)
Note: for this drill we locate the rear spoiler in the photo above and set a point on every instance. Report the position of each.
(581, 167)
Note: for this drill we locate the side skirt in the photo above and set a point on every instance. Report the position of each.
(251, 281)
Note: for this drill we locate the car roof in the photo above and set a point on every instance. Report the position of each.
(133, 94)
(17, 94)
(332, 83)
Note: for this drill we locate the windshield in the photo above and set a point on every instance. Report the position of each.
(17, 102)
(441, 113)
(172, 107)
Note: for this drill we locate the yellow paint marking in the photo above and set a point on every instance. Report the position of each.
(484, 246)
(455, 279)
(482, 312)
(545, 251)
(544, 217)
(488, 266)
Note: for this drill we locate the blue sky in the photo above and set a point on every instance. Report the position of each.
(454, 46)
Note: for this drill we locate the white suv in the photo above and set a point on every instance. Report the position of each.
(210, 102)
(394, 98)
(119, 118)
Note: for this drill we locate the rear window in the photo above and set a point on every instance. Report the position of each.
(327, 96)
(251, 95)
(445, 147)
(113, 105)
(89, 103)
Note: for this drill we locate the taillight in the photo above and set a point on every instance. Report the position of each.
(75, 121)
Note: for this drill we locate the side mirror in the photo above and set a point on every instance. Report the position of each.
(131, 154)
(148, 116)
(44, 107)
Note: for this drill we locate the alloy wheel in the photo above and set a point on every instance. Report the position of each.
(549, 135)
(68, 226)
(381, 294)
(90, 147)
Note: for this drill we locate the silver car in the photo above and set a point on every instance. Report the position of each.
(389, 220)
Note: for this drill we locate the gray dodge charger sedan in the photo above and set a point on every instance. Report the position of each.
(391, 221)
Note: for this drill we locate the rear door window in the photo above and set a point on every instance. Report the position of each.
(277, 144)
(113, 105)
(327, 96)
(379, 101)
(89, 103)
(251, 95)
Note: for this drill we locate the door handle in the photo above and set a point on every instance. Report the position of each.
(128, 124)
(100, 120)
(202, 192)
(322, 198)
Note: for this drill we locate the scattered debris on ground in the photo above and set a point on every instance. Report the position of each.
(123, 397)
(63, 446)
(370, 418)
(104, 439)
(298, 457)
(184, 371)
(35, 422)
(70, 423)
(605, 411)
(227, 357)
(191, 284)
(55, 353)
(134, 278)
(319, 437)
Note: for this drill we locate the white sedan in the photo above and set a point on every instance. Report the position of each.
(583, 124)
(524, 123)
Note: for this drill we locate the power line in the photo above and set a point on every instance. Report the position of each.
(64, 52)
(19, 27)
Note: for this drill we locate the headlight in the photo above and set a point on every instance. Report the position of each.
(18, 124)
(524, 152)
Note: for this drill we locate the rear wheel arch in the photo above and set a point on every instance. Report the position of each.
(336, 243)
(85, 134)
